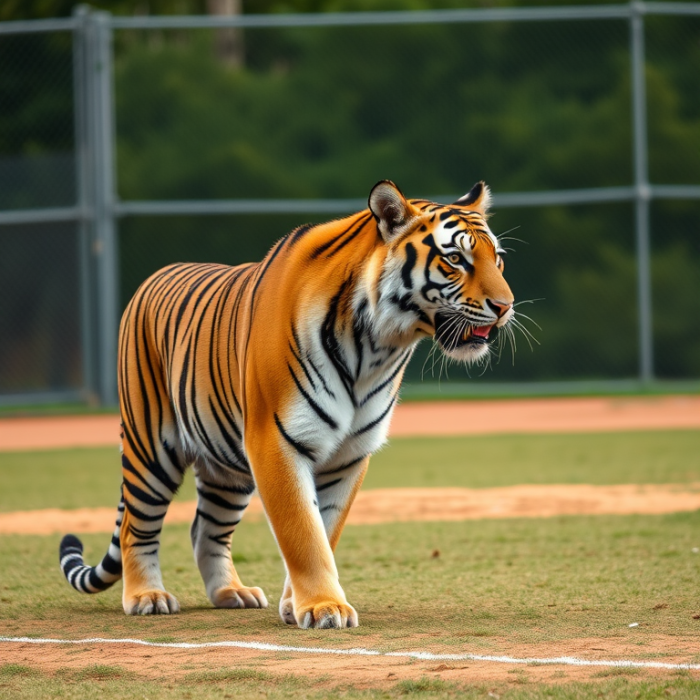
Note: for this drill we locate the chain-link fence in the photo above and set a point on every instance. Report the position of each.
(130, 143)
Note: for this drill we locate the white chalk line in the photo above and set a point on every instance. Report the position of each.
(422, 655)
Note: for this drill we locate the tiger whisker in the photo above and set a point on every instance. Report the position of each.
(526, 333)
(502, 236)
(532, 320)
(527, 301)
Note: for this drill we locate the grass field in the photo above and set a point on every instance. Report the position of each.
(484, 587)
(91, 476)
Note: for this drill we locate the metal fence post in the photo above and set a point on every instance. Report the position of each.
(83, 152)
(642, 193)
(105, 244)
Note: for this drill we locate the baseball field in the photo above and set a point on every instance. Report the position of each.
(503, 549)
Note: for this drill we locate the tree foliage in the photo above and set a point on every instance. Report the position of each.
(326, 112)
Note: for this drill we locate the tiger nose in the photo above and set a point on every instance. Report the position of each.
(499, 307)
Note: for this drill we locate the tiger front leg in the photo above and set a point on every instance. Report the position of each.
(288, 493)
(336, 489)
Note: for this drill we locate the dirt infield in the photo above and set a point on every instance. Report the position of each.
(328, 671)
(407, 504)
(415, 419)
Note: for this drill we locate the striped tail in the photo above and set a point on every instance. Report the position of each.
(92, 579)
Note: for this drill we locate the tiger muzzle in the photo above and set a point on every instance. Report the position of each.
(453, 332)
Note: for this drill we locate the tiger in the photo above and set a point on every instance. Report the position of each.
(281, 377)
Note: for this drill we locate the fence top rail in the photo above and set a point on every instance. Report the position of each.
(670, 8)
(331, 19)
(336, 19)
(31, 26)
(323, 206)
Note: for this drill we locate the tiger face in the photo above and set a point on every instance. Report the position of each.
(449, 268)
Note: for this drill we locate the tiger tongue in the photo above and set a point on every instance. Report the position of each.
(481, 331)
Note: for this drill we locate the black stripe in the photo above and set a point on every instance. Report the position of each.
(218, 501)
(347, 240)
(142, 516)
(376, 421)
(155, 469)
(242, 490)
(319, 411)
(143, 534)
(332, 346)
(182, 389)
(347, 465)
(376, 390)
(411, 257)
(358, 329)
(328, 484)
(326, 388)
(405, 304)
(111, 566)
(237, 452)
(224, 539)
(329, 244)
(294, 236)
(331, 506)
(70, 543)
(145, 544)
(298, 446)
(80, 580)
(213, 520)
(265, 266)
(97, 582)
(71, 564)
(149, 500)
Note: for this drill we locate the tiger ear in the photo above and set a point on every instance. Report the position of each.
(478, 198)
(390, 209)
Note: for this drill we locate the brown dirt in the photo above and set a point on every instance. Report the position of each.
(407, 504)
(415, 419)
(163, 664)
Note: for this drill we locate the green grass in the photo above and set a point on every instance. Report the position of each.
(501, 460)
(90, 477)
(429, 389)
(529, 580)
(70, 685)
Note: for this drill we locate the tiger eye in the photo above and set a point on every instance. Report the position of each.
(455, 258)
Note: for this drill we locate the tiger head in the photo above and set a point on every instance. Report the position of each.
(443, 268)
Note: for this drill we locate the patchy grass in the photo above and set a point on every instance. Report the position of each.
(502, 460)
(14, 670)
(41, 686)
(522, 581)
(90, 477)
(529, 580)
(99, 672)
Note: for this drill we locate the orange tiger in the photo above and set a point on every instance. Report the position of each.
(282, 376)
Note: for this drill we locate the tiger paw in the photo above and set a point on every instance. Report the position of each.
(326, 615)
(240, 597)
(151, 602)
(287, 611)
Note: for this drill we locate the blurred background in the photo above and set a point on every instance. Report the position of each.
(136, 134)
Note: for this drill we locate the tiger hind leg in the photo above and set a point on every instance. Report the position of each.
(152, 473)
(220, 508)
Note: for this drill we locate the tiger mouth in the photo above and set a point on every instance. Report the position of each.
(452, 333)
